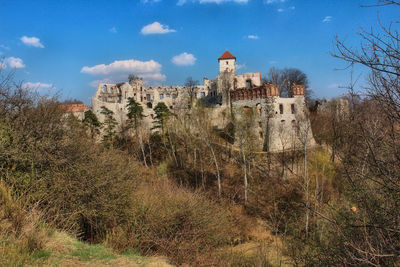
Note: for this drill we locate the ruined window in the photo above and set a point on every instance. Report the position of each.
(105, 88)
(149, 105)
(261, 134)
(202, 94)
(293, 108)
(161, 96)
(173, 96)
(248, 83)
(260, 124)
(170, 107)
(148, 97)
(105, 99)
(111, 91)
(280, 108)
(168, 95)
(119, 99)
(259, 109)
(194, 95)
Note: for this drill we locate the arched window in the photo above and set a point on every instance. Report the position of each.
(259, 111)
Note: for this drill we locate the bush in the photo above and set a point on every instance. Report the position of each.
(21, 232)
(171, 221)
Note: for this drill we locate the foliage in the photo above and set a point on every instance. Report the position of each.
(135, 112)
(92, 122)
(109, 126)
(162, 114)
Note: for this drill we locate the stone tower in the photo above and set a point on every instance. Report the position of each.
(227, 63)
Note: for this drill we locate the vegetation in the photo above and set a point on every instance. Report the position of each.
(202, 196)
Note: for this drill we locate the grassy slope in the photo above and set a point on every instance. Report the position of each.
(63, 250)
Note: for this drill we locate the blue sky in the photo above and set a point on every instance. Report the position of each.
(70, 45)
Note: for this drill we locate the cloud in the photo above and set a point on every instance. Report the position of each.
(95, 83)
(292, 8)
(32, 41)
(184, 59)
(269, 2)
(38, 86)
(327, 19)
(240, 66)
(120, 69)
(182, 2)
(113, 30)
(14, 62)
(156, 28)
(251, 36)
(150, 1)
(333, 86)
(280, 10)
(4, 47)
(272, 62)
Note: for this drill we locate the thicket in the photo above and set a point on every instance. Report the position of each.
(96, 191)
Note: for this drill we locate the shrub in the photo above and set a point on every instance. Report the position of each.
(174, 222)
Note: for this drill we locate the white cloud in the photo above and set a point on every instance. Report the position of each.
(14, 62)
(254, 37)
(32, 41)
(153, 76)
(280, 10)
(37, 86)
(95, 83)
(120, 69)
(113, 30)
(156, 28)
(240, 66)
(123, 66)
(150, 1)
(184, 59)
(327, 19)
(4, 47)
(269, 2)
(292, 8)
(182, 2)
(333, 86)
(272, 62)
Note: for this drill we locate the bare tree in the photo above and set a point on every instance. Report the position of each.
(191, 89)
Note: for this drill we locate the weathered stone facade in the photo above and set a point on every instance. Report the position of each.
(280, 121)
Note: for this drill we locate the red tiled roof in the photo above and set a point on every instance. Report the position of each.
(227, 55)
(74, 108)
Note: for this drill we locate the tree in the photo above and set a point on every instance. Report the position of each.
(225, 84)
(109, 125)
(91, 121)
(286, 78)
(364, 231)
(132, 78)
(135, 113)
(135, 116)
(191, 88)
(162, 115)
(246, 139)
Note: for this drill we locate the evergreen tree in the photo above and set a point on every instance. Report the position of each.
(109, 125)
(135, 113)
(162, 115)
(92, 122)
